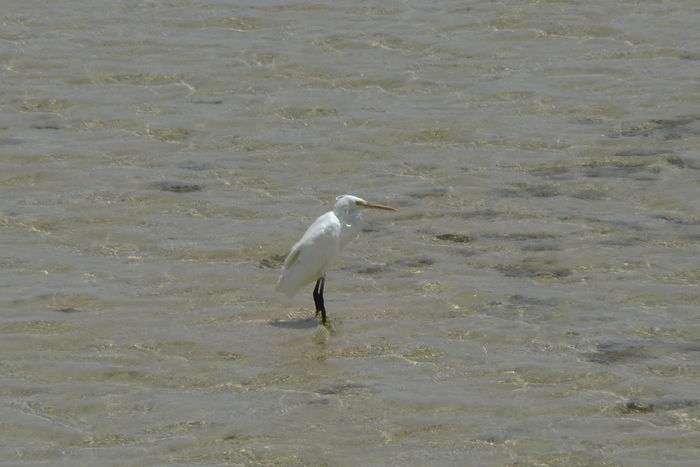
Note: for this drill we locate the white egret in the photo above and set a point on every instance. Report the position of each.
(311, 256)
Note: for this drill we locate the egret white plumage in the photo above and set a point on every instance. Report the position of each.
(311, 256)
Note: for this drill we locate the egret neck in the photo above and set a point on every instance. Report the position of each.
(350, 220)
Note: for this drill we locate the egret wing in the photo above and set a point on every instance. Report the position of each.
(292, 257)
(311, 255)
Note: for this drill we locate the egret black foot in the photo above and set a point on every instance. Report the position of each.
(317, 297)
(318, 300)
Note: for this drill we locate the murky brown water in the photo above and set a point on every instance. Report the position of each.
(535, 302)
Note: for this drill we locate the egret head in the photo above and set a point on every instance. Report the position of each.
(349, 204)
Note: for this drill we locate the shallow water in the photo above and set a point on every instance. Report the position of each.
(534, 302)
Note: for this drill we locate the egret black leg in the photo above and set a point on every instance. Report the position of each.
(316, 296)
(320, 300)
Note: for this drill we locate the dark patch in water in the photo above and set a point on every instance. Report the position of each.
(675, 404)
(366, 269)
(370, 270)
(208, 102)
(68, 310)
(47, 126)
(646, 178)
(178, 187)
(10, 141)
(272, 262)
(608, 353)
(629, 241)
(587, 120)
(600, 221)
(636, 406)
(522, 308)
(541, 246)
(542, 191)
(555, 173)
(371, 227)
(522, 300)
(677, 219)
(415, 262)
(536, 191)
(520, 236)
(676, 161)
(429, 193)
(466, 252)
(226, 355)
(319, 402)
(613, 171)
(197, 166)
(306, 323)
(534, 268)
(690, 348)
(493, 438)
(689, 163)
(687, 55)
(665, 129)
(482, 214)
(456, 238)
(590, 194)
(642, 152)
(342, 388)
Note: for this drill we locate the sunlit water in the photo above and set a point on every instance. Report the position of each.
(534, 302)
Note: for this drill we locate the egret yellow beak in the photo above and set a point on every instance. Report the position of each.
(379, 206)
